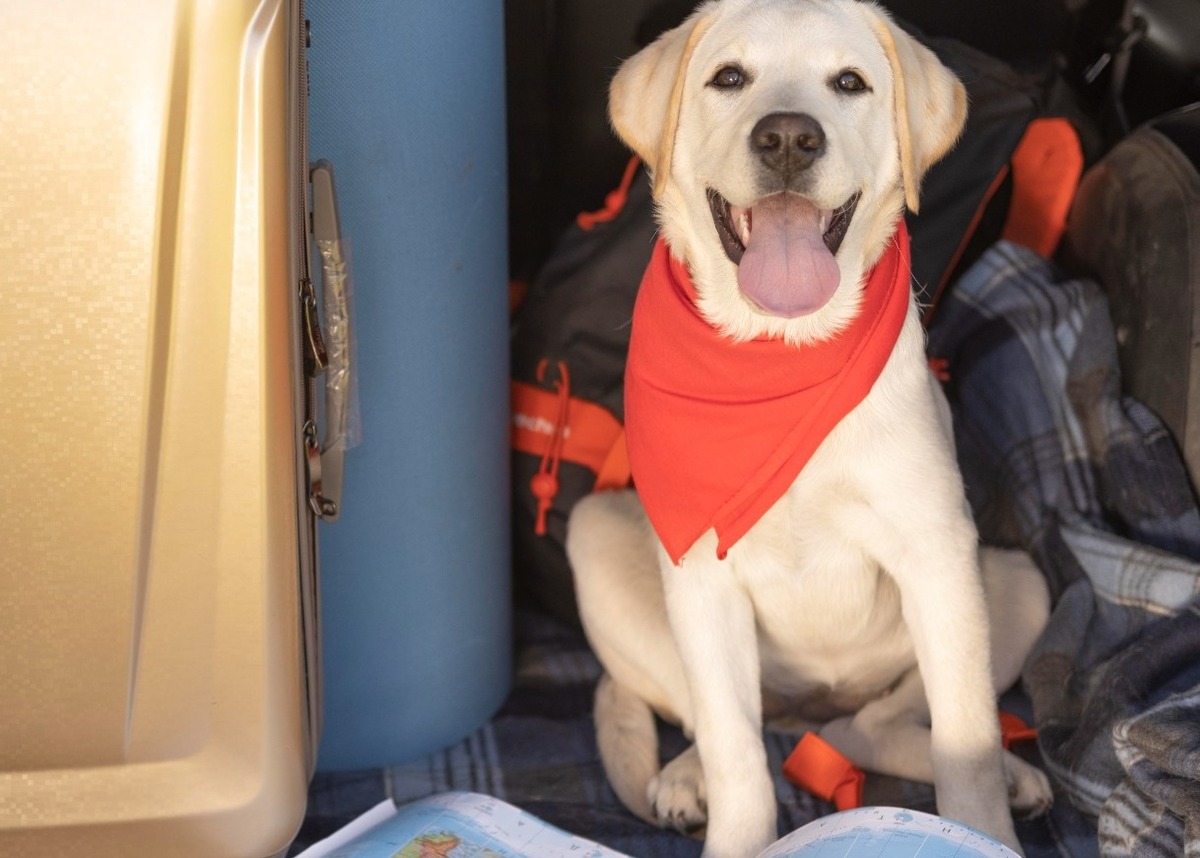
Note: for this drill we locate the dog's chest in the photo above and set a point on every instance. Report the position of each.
(830, 626)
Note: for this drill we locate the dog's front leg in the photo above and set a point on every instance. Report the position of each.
(915, 522)
(944, 608)
(712, 619)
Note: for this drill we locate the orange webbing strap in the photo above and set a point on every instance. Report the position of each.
(614, 202)
(1046, 167)
(817, 767)
(556, 426)
(589, 438)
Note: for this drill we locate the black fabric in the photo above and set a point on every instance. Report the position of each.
(1002, 102)
(578, 311)
(1026, 35)
(1164, 67)
(562, 157)
(1182, 128)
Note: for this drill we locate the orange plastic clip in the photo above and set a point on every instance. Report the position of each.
(1013, 730)
(817, 767)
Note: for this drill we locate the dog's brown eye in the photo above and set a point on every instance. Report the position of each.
(729, 77)
(849, 81)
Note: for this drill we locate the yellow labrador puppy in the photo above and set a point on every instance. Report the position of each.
(798, 545)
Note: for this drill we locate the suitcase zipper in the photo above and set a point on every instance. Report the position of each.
(309, 333)
(312, 344)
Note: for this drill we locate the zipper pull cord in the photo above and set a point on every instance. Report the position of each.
(544, 484)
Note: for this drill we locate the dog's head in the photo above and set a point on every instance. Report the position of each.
(785, 138)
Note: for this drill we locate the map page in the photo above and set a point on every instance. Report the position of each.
(457, 825)
(470, 825)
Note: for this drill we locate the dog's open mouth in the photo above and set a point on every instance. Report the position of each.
(784, 247)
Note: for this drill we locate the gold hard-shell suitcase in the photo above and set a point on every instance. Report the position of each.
(159, 682)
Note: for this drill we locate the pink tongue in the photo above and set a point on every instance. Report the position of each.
(787, 270)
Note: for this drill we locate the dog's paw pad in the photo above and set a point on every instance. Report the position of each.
(1029, 791)
(678, 799)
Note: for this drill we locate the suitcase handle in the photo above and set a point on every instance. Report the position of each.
(336, 312)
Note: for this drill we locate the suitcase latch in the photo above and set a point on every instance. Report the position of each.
(321, 506)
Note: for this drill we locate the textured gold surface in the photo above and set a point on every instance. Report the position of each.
(148, 646)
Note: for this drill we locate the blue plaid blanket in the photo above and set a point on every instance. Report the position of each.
(1055, 460)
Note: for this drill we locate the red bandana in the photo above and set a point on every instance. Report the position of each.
(717, 430)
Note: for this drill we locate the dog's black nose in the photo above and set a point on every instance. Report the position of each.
(788, 142)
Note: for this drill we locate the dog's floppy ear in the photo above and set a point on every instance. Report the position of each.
(646, 93)
(930, 102)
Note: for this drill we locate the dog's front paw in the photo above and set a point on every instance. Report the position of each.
(677, 794)
(1029, 791)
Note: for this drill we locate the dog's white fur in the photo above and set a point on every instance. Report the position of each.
(868, 567)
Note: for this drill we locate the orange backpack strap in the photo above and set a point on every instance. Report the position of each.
(588, 434)
(556, 426)
(1046, 167)
(614, 202)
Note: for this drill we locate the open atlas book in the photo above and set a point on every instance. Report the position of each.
(470, 825)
